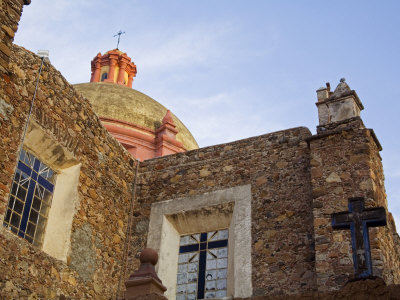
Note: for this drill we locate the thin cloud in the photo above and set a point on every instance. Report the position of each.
(198, 44)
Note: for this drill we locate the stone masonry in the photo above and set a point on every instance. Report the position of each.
(10, 14)
(277, 167)
(296, 181)
(345, 163)
(95, 260)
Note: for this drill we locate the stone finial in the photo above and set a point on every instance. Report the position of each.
(166, 137)
(341, 90)
(145, 282)
(168, 118)
(324, 92)
(149, 255)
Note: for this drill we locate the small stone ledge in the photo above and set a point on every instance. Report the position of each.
(378, 144)
(352, 123)
(151, 296)
(347, 125)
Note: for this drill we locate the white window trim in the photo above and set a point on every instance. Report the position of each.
(65, 201)
(164, 234)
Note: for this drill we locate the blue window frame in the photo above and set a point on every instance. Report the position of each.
(202, 265)
(30, 198)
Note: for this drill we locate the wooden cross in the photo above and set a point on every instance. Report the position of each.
(119, 36)
(358, 219)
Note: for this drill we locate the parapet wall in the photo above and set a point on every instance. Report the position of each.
(276, 167)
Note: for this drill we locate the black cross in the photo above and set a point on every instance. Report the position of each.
(358, 219)
(203, 246)
(119, 36)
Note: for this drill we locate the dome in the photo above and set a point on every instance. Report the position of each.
(119, 102)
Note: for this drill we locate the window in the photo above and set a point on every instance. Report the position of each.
(174, 219)
(202, 265)
(30, 198)
(104, 76)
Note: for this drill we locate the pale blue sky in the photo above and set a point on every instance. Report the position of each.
(234, 69)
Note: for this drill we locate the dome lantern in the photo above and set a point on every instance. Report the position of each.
(114, 67)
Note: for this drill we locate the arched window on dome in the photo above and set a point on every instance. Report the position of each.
(104, 76)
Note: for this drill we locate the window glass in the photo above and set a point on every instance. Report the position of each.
(30, 198)
(202, 265)
(104, 76)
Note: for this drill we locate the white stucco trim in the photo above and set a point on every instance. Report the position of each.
(57, 239)
(164, 235)
(65, 201)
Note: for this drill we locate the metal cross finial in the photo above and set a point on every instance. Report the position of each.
(119, 36)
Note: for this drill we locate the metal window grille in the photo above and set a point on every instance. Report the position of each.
(202, 265)
(30, 198)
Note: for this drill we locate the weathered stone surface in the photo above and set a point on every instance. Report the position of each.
(297, 182)
(351, 166)
(333, 177)
(93, 267)
(5, 109)
(83, 255)
(276, 166)
(10, 13)
(368, 289)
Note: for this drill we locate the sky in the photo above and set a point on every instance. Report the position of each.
(234, 69)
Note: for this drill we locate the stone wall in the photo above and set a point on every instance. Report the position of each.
(93, 267)
(276, 167)
(10, 13)
(345, 162)
(368, 289)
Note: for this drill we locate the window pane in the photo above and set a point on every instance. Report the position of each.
(24, 180)
(18, 207)
(14, 189)
(8, 215)
(45, 209)
(47, 196)
(11, 202)
(31, 229)
(36, 203)
(33, 216)
(17, 176)
(21, 194)
(15, 220)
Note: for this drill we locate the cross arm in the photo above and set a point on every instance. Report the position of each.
(341, 220)
(375, 216)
